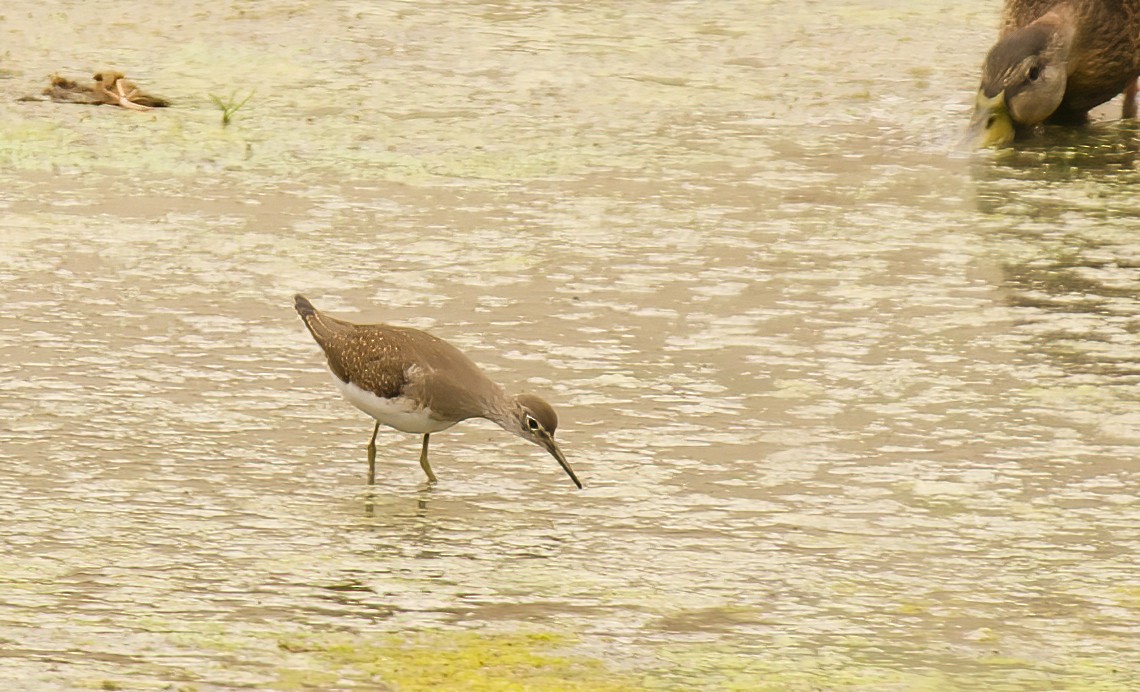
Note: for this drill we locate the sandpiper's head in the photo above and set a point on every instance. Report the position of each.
(1023, 82)
(535, 420)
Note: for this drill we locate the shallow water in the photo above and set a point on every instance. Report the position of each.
(851, 410)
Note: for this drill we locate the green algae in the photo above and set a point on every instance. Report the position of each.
(547, 660)
(25, 142)
(446, 660)
(779, 669)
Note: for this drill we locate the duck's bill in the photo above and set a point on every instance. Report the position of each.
(991, 125)
(551, 446)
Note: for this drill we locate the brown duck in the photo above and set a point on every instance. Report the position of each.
(1053, 62)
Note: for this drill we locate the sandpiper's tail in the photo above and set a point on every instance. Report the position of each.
(320, 326)
(304, 308)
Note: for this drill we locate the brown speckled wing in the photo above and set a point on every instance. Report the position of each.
(356, 353)
(436, 374)
(399, 361)
(367, 356)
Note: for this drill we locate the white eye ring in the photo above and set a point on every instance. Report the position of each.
(532, 424)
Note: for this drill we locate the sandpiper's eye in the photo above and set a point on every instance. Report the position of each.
(531, 424)
(1034, 73)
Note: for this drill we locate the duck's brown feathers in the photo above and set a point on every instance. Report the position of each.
(1105, 55)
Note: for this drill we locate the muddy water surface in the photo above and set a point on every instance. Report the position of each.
(851, 411)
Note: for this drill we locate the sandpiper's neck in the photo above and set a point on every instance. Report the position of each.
(502, 410)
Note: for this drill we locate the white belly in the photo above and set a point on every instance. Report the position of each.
(400, 413)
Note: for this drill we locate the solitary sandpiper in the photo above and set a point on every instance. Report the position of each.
(417, 383)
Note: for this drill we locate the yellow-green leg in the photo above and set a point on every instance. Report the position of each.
(372, 455)
(424, 462)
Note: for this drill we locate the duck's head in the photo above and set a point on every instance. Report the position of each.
(1023, 81)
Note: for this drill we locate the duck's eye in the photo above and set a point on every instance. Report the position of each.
(1034, 73)
(531, 424)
